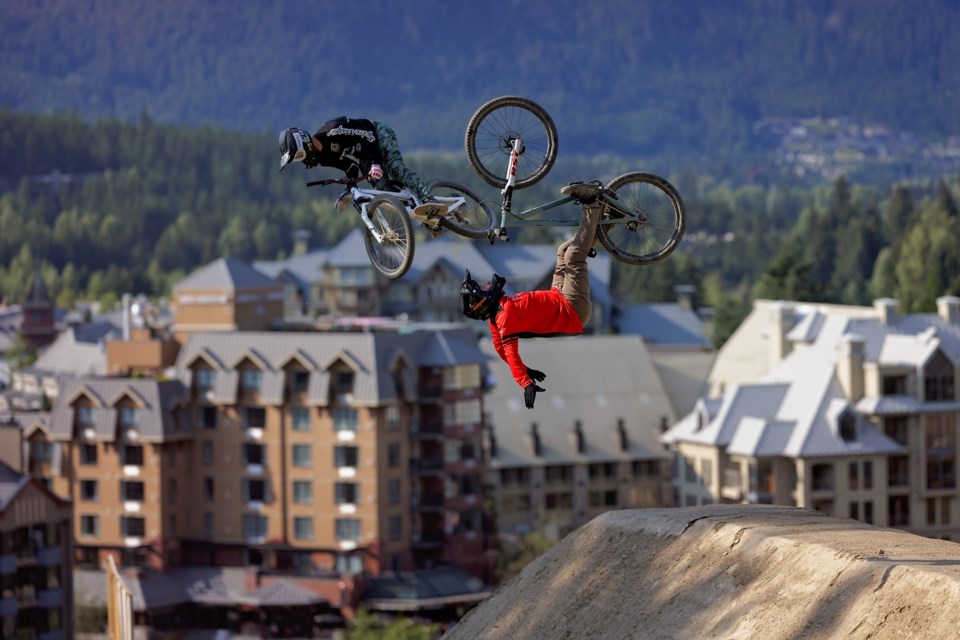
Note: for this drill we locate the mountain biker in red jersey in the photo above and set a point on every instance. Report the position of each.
(360, 148)
(562, 310)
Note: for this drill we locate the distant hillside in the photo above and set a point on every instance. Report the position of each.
(679, 79)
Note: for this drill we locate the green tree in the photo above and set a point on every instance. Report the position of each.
(929, 261)
(21, 354)
(367, 626)
(787, 277)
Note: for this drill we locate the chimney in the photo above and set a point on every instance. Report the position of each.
(948, 308)
(782, 320)
(887, 310)
(126, 317)
(850, 366)
(535, 439)
(622, 435)
(685, 295)
(301, 241)
(577, 437)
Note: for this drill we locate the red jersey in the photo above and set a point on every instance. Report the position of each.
(531, 314)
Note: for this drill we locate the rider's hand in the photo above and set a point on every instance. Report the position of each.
(530, 394)
(376, 173)
(536, 376)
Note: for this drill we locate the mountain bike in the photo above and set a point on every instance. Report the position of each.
(511, 143)
(388, 232)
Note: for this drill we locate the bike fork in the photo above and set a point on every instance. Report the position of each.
(365, 216)
(500, 233)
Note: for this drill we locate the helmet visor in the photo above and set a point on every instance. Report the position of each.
(291, 147)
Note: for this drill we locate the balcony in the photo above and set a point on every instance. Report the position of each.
(8, 564)
(429, 501)
(8, 607)
(49, 557)
(427, 465)
(429, 540)
(428, 430)
(50, 598)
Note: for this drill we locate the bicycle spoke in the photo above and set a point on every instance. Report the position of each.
(646, 223)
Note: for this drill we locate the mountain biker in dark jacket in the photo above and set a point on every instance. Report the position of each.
(360, 148)
(563, 309)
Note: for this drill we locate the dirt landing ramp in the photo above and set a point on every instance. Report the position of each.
(744, 572)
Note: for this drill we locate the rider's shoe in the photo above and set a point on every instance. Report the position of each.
(429, 210)
(583, 192)
(343, 201)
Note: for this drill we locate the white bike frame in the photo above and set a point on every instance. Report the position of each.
(363, 197)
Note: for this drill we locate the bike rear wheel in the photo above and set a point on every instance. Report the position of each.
(394, 255)
(490, 135)
(657, 224)
(473, 219)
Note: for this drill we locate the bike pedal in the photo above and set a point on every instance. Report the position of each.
(592, 253)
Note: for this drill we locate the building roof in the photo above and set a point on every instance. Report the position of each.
(225, 274)
(11, 482)
(163, 414)
(373, 356)
(663, 324)
(684, 376)
(794, 409)
(594, 380)
(78, 351)
(423, 589)
(281, 593)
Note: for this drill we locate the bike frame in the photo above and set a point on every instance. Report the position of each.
(509, 218)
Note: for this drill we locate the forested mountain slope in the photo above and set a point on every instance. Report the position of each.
(633, 77)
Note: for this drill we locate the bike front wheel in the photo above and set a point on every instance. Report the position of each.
(492, 131)
(394, 254)
(473, 219)
(651, 223)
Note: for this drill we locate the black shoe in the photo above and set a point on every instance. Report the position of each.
(583, 192)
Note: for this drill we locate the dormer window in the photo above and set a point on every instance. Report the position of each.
(299, 381)
(251, 379)
(938, 380)
(895, 385)
(847, 426)
(344, 382)
(129, 417)
(85, 416)
(206, 379)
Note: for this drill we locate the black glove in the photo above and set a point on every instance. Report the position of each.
(536, 376)
(530, 394)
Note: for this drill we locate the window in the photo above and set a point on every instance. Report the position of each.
(206, 452)
(940, 434)
(462, 412)
(299, 381)
(344, 419)
(208, 524)
(822, 477)
(642, 468)
(847, 426)
(303, 528)
(89, 491)
(131, 491)
(85, 416)
(254, 418)
(395, 528)
(132, 527)
(208, 489)
(393, 491)
(345, 456)
(132, 455)
(88, 454)
(868, 512)
(393, 455)
(302, 455)
(251, 379)
(559, 473)
(464, 376)
(206, 379)
(854, 477)
(898, 471)
(253, 453)
(940, 473)
(254, 525)
(254, 490)
(300, 418)
(868, 475)
(895, 385)
(854, 510)
(90, 526)
(393, 418)
(899, 509)
(346, 493)
(129, 417)
(347, 530)
(938, 379)
(343, 382)
(208, 417)
(302, 492)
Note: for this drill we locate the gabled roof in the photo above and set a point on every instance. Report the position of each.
(350, 252)
(225, 274)
(663, 324)
(596, 380)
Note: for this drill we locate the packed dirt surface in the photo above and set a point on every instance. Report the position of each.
(734, 571)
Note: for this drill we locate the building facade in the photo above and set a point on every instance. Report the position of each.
(858, 419)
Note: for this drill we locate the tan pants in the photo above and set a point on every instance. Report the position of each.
(570, 275)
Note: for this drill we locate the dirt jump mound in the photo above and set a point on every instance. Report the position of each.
(735, 571)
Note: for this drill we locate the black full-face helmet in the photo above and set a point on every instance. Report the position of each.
(295, 146)
(480, 302)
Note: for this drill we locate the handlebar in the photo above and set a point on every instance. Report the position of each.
(344, 181)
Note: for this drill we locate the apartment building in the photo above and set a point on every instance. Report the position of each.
(590, 444)
(317, 454)
(857, 418)
(36, 559)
